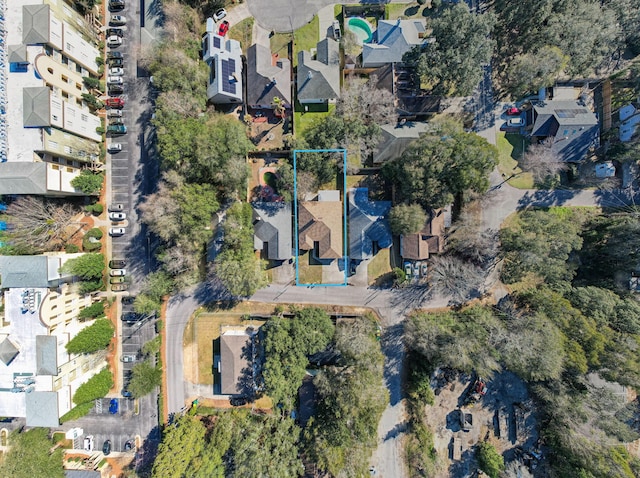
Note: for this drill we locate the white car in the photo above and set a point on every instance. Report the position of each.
(88, 443)
(114, 113)
(116, 71)
(114, 148)
(117, 216)
(117, 20)
(114, 40)
(515, 122)
(118, 272)
(117, 231)
(115, 80)
(219, 15)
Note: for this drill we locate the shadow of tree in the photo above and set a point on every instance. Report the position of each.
(393, 349)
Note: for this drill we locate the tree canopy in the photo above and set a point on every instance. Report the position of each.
(437, 167)
(407, 218)
(86, 266)
(452, 64)
(96, 387)
(31, 455)
(182, 443)
(145, 377)
(91, 339)
(88, 182)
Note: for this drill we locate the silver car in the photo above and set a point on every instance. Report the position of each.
(117, 216)
(117, 231)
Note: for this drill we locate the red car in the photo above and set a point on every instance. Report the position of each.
(114, 102)
(224, 28)
(513, 111)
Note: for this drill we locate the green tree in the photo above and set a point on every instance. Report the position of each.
(452, 64)
(152, 347)
(31, 455)
(95, 310)
(489, 460)
(182, 443)
(86, 266)
(312, 329)
(144, 379)
(91, 339)
(284, 181)
(528, 72)
(436, 168)
(96, 387)
(88, 182)
(407, 218)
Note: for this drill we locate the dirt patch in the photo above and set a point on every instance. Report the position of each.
(505, 417)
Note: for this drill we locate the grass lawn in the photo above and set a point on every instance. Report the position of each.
(280, 44)
(306, 38)
(308, 274)
(510, 148)
(302, 121)
(379, 265)
(242, 32)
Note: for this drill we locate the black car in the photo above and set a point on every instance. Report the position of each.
(116, 62)
(115, 90)
(115, 5)
(114, 54)
(106, 448)
(118, 264)
(128, 446)
(115, 31)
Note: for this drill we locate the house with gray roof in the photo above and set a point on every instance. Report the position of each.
(369, 229)
(235, 363)
(396, 137)
(268, 77)
(272, 230)
(391, 40)
(570, 129)
(318, 76)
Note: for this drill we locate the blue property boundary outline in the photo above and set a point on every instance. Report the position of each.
(345, 258)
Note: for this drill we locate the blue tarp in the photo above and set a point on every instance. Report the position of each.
(3, 226)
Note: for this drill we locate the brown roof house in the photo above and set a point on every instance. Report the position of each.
(430, 240)
(236, 364)
(320, 225)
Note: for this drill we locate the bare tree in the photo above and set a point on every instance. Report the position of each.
(178, 260)
(39, 225)
(176, 101)
(160, 209)
(366, 103)
(305, 183)
(473, 243)
(452, 277)
(542, 162)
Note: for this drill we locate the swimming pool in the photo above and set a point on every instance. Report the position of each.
(361, 28)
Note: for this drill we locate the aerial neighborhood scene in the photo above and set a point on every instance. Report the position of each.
(301, 238)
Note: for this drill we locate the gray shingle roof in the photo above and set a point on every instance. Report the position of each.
(235, 361)
(17, 53)
(368, 223)
(8, 351)
(42, 409)
(261, 71)
(392, 40)
(23, 178)
(396, 137)
(319, 79)
(272, 225)
(46, 355)
(23, 271)
(35, 24)
(36, 107)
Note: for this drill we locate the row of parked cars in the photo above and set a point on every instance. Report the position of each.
(115, 70)
(416, 269)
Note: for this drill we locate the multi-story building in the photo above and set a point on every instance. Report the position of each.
(47, 50)
(37, 376)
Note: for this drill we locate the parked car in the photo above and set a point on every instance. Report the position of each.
(114, 148)
(119, 32)
(119, 287)
(114, 54)
(114, 41)
(117, 231)
(128, 446)
(424, 269)
(116, 62)
(115, 90)
(117, 263)
(407, 269)
(115, 207)
(128, 358)
(88, 443)
(117, 20)
(116, 71)
(117, 216)
(116, 129)
(515, 122)
(114, 102)
(115, 80)
(106, 448)
(416, 268)
(117, 280)
(127, 394)
(335, 26)
(113, 406)
(219, 15)
(114, 113)
(115, 5)
(513, 111)
(118, 272)
(224, 28)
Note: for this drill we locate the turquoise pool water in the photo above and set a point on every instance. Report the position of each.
(361, 28)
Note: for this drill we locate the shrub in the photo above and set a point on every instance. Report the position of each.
(91, 339)
(96, 387)
(159, 326)
(77, 412)
(90, 286)
(96, 209)
(93, 311)
(87, 244)
(71, 249)
(489, 460)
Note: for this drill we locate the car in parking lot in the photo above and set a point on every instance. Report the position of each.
(114, 102)
(416, 268)
(118, 272)
(224, 28)
(114, 148)
(515, 122)
(116, 62)
(106, 448)
(128, 358)
(114, 41)
(115, 5)
(117, 216)
(126, 393)
(114, 113)
(113, 406)
(407, 269)
(119, 32)
(114, 54)
(113, 129)
(424, 269)
(117, 231)
(115, 207)
(116, 71)
(117, 263)
(88, 443)
(115, 90)
(115, 80)
(119, 287)
(117, 280)
(117, 20)
(219, 15)
(128, 446)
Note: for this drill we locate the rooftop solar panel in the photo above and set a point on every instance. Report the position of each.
(228, 69)
(216, 42)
